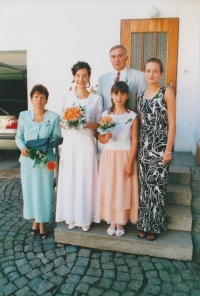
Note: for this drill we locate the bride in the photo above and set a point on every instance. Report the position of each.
(78, 173)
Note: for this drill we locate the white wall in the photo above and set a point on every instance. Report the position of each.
(58, 33)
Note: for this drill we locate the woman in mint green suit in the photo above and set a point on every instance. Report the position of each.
(36, 179)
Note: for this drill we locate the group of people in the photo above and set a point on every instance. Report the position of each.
(130, 182)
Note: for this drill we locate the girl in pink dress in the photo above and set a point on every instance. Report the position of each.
(118, 198)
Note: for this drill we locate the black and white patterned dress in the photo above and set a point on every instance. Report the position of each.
(152, 173)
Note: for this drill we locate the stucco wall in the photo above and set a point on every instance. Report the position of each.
(58, 33)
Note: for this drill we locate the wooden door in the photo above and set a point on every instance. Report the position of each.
(147, 38)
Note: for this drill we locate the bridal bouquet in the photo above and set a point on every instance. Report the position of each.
(40, 157)
(73, 117)
(107, 125)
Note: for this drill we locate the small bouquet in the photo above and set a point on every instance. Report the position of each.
(40, 157)
(107, 125)
(74, 117)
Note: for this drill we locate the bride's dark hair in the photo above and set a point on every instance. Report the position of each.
(123, 88)
(81, 65)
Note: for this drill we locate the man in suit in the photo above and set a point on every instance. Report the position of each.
(134, 78)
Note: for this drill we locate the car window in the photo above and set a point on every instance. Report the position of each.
(12, 107)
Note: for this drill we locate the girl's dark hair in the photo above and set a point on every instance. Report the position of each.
(123, 88)
(155, 60)
(81, 65)
(41, 89)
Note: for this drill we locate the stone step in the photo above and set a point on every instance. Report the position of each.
(179, 217)
(169, 244)
(178, 195)
(179, 174)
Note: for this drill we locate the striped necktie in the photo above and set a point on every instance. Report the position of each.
(117, 77)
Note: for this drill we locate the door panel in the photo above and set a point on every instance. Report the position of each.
(148, 38)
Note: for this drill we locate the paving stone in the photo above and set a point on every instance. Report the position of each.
(187, 275)
(55, 280)
(43, 287)
(137, 269)
(21, 262)
(84, 252)
(159, 266)
(59, 261)
(90, 279)
(50, 254)
(138, 277)
(82, 261)
(94, 272)
(78, 270)
(48, 267)
(96, 255)
(73, 279)
(95, 292)
(60, 251)
(166, 263)
(35, 263)
(147, 266)
(167, 288)
(48, 275)
(195, 292)
(23, 291)
(9, 289)
(177, 293)
(122, 268)
(24, 269)
(152, 281)
(119, 261)
(135, 285)
(176, 278)
(9, 269)
(165, 276)
(132, 262)
(95, 263)
(71, 258)
(30, 255)
(39, 256)
(44, 260)
(128, 293)
(12, 276)
(180, 265)
(35, 282)
(106, 283)
(33, 273)
(109, 273)
(67, 289)
(182, 287)
(48, 246)
(119, 286)
(83, 288)
(192, 285)
(71, 249)
(20, 282)
(152, 289)
(108, 265)
(111, 293)
(3, 281)
(62, 270)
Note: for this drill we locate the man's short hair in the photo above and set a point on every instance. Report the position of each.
(119, 46)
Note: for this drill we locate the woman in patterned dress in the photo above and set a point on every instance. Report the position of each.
(157, 108)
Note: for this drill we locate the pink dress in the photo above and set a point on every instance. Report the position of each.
(118, 197)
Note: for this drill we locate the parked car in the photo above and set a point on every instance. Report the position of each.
(9, 113)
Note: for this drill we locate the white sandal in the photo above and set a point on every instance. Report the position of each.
(120, 232)
(71, 226)
(111, 231)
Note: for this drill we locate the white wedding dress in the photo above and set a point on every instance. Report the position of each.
(78, 171)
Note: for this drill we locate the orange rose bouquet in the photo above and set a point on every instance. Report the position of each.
(40, 157)
(73, 117)
(107, 125)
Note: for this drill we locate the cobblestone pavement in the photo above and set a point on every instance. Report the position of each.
(31, 266)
